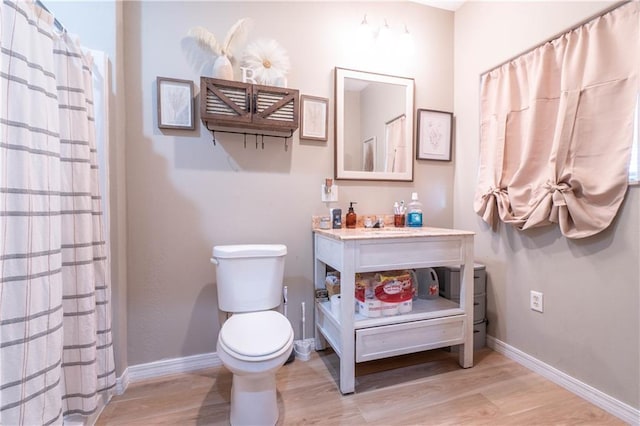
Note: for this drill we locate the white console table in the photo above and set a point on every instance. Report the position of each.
(431, 324)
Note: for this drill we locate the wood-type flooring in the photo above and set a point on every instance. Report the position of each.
(427, 388)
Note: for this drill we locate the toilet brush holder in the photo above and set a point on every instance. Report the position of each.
(302, 348)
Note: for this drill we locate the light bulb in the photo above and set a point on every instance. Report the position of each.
(406, 46)
(364, 35)
(385, 38)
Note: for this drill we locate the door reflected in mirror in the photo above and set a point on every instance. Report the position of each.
(374, 126)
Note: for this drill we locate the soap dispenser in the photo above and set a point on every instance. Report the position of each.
(351, 218)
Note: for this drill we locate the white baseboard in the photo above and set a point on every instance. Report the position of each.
(165, 367)
(618, 408)
(122, 382)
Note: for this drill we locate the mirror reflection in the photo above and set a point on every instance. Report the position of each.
(374, 126)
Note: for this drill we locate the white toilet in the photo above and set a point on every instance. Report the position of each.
(255, 341)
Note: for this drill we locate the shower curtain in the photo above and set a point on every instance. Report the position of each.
(56, 354)
(395, 145)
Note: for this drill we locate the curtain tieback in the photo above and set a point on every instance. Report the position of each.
(558, 189)
(495, 192)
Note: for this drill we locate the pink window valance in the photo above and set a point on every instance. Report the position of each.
(557, 126)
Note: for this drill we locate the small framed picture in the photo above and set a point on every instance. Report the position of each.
(434, 135)
(314, 118)
(175, 104)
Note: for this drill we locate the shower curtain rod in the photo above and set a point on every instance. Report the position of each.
(57, 23)
(579, 24)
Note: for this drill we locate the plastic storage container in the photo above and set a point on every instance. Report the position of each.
(414, 212)
(449, 280)
(428, 283)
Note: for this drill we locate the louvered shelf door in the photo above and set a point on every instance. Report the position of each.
(276, 107)
(225, 103)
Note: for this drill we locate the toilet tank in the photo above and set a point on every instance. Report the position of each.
(249, 276)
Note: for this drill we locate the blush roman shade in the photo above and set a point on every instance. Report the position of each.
(557, 127)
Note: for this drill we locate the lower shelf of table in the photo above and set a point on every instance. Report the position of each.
(431, 324)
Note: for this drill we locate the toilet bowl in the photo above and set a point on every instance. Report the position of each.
(255, 341)
(253, 346)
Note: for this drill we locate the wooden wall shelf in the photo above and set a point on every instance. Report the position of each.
(226, 104)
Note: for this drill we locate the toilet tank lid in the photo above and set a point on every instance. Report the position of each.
(249, 250)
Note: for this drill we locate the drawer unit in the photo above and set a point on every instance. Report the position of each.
(479, 306)
(398, 339)
(406, 253)
(479, 336)
(449, 280)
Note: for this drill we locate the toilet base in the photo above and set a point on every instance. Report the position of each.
(254, 400)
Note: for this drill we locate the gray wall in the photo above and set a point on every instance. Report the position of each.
(590, 325)
(185, 195)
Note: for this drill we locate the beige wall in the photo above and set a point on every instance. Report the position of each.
(186, 195)
(590, 326)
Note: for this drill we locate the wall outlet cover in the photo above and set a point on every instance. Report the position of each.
(536, 301)
(331, 196)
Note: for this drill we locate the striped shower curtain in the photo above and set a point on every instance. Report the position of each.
(395, 145)
(56, 354)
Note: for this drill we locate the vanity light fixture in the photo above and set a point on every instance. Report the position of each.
(383, 37)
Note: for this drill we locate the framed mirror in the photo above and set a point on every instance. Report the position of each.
(373, 126)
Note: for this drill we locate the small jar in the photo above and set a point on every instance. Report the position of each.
(325, 222)
(398, 220)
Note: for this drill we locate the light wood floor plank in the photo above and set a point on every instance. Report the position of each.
(428, 388)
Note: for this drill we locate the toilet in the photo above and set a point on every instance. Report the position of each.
(255, 341)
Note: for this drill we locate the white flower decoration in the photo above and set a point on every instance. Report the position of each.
(268, 60)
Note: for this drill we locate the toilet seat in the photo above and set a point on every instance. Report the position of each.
(256, 336)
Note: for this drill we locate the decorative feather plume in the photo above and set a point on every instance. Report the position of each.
(205, 40)
(236, 35)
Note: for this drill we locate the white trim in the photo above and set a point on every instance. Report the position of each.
(122, 382)
(165, 367)
(618, 408)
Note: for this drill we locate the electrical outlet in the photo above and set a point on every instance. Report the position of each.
(536, 301)
(331, 196)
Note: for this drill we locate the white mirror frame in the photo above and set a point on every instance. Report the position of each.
(408, 83)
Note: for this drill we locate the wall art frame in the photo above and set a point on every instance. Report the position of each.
(314, 118)
(435, 130)
(175, 104)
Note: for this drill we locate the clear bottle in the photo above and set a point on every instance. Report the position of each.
(414, 211)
